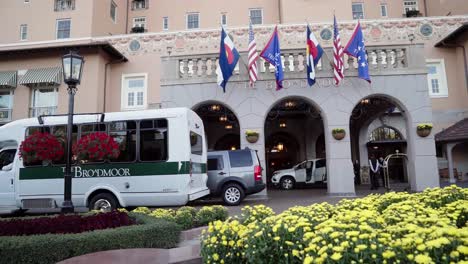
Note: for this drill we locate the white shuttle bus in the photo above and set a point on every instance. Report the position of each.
(162, 162)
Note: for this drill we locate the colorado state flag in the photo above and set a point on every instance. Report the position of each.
(228, 58)
(314, 53)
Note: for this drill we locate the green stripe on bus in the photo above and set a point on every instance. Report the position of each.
(112, 170)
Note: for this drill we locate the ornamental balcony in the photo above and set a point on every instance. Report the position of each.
(383, 60)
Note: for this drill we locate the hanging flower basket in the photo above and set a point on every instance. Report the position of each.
(96, 146)
(251, 136)
(338, 133)
(41, 148)
(424, 130)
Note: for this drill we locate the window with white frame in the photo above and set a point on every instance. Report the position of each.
(44, 101)
(6, 104)
(24, 32)
(113, 11)
(165, 23)
(63, 28)
(139, 4)
(224, 19)
(256, 16)
(358, 10)
(383, 10)
(410, 5)
(64, 5)
(139, 22)
(193, 20)
(134, 87)
(436, 79)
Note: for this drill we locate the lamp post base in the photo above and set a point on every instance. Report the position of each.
(67, 207)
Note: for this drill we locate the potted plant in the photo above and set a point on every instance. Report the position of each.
(251, 136)
(338, 133)
(97, 146)
(424, 130)
(41, 148)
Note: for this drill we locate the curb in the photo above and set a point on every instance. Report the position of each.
(187, 252)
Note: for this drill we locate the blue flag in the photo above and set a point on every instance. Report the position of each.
(272, 54)
(357, 49)
(228, 58)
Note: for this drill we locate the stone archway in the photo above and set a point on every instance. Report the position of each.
(222, 127)
(292, 127)
(371, 134)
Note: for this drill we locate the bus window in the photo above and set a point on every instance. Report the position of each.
(32, 130)
(153, 140)
(61, 133)
(196, 143)
(124, 133)
(91, 128)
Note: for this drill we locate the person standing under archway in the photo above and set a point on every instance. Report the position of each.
(374, 167)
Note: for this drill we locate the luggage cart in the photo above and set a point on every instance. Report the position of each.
(396, 155)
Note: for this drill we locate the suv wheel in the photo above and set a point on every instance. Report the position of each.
(233, 194)
(287, 183)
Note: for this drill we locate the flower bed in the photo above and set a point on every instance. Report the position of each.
(187, 217)
(427, 227)
(63, 224)
(148, 232)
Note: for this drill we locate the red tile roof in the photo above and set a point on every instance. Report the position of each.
(456, 132)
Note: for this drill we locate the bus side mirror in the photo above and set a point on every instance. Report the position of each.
(7, 167)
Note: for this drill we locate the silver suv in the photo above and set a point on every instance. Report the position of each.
(234, 174)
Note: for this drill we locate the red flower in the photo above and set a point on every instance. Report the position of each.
(41, 147)
(96, 146)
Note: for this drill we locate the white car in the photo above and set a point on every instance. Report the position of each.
(309, 171)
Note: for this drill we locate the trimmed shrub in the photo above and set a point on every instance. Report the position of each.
(38, 249)
(187, 217)
(63, 224)
(209, 214)
(184, 218)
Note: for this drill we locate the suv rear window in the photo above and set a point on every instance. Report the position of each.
(241, 158)
(215, 163)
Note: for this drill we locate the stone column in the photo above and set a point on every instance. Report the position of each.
(340, 173)
(450, 147)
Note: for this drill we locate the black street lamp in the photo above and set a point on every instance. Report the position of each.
(72, 66)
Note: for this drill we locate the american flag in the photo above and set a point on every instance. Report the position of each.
(338, 67)
(253, 56)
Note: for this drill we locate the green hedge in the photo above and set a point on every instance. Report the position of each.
(149, 233)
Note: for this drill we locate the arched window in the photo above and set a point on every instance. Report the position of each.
(384, 133)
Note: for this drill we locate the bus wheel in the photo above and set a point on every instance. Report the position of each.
(233, 194)
(104, 202)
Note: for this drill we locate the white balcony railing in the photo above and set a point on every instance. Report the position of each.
(382, 59)
(38, 111)
(64, 5)
(5, 115)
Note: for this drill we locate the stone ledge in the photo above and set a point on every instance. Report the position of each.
(188, 252)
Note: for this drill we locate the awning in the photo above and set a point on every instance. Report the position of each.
(8, 79)
(42, 76)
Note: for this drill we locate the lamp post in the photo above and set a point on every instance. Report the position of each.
(72, 66)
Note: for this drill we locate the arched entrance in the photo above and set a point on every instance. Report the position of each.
(384, 141)
(293, 128)
(221, 126)
(373, 133)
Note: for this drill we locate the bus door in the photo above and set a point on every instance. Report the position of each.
(7, 177)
